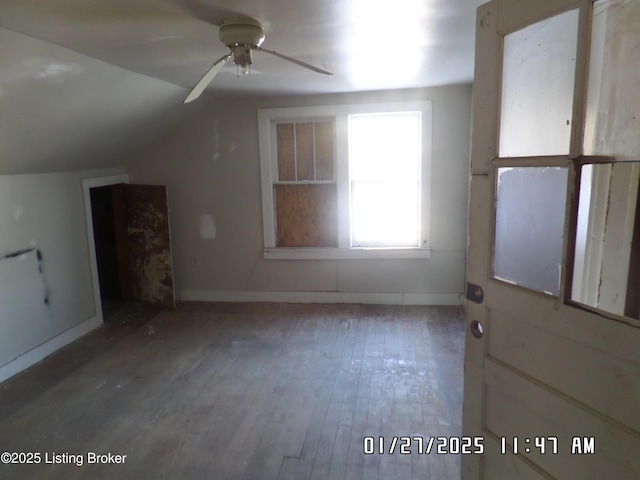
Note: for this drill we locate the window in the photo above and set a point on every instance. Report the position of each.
(349, 181)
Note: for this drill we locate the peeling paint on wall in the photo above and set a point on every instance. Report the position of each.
(42, 68)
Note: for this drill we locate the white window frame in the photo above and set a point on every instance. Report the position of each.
(267, 118)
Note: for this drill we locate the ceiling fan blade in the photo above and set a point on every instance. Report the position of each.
(206, 79)
(293, 60)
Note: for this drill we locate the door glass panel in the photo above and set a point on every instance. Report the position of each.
(530, 214)
(613, 101)
(606, 273)
(537, 88)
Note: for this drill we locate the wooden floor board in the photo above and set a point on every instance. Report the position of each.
(243, 392)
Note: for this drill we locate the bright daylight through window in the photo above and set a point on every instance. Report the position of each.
(384, 157)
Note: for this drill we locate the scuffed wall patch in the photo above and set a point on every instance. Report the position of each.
(207, 227)
(18, 211)
(23, 253)
(25, 309)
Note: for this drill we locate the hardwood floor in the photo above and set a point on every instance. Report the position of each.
(245, 391)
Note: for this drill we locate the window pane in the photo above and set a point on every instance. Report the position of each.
(385, 213)
(385, 146)
(286, 152)
(537, 88)
(385, 153)
(606, 272)
(613, 101)
(305, 152)
(530, 214)
(324, 150)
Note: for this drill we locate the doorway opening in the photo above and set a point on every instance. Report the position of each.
(130, 248)
(106, 247)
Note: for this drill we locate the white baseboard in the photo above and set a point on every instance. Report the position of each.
(322, 297)
(45, 349)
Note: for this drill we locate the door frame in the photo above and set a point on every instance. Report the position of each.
(87, 185)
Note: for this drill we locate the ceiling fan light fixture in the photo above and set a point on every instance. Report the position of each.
(242, 56)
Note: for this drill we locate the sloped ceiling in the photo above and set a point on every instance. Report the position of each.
(87, 83)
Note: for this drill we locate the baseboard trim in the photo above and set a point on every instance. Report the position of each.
(45, 349)
(322, 297)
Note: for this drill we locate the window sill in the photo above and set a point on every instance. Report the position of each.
(345, 253)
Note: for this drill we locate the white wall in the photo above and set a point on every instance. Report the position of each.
(211, 166)
(43, 212)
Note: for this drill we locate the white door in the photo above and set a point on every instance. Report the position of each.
(552, 367)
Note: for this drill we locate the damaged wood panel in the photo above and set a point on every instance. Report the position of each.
(149, 244)
(305, 151)
(324, 150)
(286, 152)
(306, 215)
(145, 255)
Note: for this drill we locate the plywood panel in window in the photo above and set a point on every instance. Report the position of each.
(324, 150)
(286, 152)
(304, 151)
(306, 215)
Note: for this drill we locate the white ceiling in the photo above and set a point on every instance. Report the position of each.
(98, 78)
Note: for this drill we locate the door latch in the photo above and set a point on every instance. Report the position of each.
(475, 293)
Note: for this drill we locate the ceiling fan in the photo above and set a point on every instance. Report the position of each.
(241, 36)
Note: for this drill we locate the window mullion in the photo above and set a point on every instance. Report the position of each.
(581, 78)
(342, 179)
(315, 167)
(295, 151)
